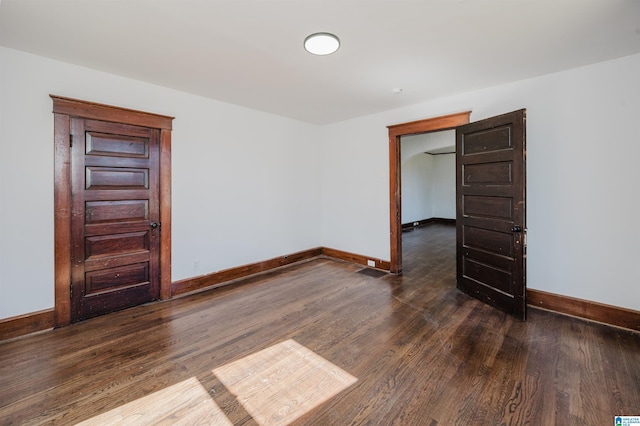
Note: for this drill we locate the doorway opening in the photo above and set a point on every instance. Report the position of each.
(445, 122)
(428, 179)
(490, 205)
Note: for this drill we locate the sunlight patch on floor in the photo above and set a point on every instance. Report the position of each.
(281, 383)
(185, 403)
(275, 386)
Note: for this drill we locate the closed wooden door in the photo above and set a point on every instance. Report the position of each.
(115, 216)
(490, 219)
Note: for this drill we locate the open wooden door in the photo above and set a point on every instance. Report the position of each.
(490, 218)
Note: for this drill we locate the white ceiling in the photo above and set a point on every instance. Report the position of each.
(250, 52)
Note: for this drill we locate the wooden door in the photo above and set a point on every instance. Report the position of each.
(490, 219)
(115, 216)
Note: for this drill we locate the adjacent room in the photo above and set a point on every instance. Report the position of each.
(428, 221)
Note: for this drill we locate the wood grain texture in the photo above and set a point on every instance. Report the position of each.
(607, 314)
(422, 352)
(355, 258)
(115, 189)
(491, 164)
(64, 109)
(62, 219)
(227, 276)
(165, 214)
(96, 111)
(282, 382)
(26, 324)
(185, 403)
(396, 131)
(395, 204)
(443, 122)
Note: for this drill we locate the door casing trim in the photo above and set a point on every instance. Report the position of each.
(63, 110)
(443, 122)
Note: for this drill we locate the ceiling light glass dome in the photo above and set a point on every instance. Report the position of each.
(321, 43)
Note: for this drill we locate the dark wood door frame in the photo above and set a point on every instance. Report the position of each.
(64, 109)
(444, 122)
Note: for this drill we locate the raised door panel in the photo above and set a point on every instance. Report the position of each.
(490, 216)
(115, 193)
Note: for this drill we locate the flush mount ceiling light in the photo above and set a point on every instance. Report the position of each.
(321, 43)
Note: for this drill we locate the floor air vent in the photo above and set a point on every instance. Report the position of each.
(375, 273)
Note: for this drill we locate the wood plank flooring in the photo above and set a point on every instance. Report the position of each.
(421, 352)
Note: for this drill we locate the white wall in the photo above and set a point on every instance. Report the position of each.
(245, 184)
(444, 186)
(417, 188)
(441, 141)
(583, 144)
(428, 181)
(248, 186)
(428, 187)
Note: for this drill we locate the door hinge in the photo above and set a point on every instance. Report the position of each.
(70, 141)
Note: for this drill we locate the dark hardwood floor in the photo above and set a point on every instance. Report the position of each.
(422, 352)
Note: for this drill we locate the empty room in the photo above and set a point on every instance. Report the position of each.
(262, 212)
